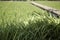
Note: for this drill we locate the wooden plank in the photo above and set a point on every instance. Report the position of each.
(49, 9)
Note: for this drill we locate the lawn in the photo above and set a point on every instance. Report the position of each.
(53, 4)
(23, 21)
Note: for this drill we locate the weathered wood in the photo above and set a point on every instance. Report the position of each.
(49, 9)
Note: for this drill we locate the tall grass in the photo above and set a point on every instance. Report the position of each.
(38, 26)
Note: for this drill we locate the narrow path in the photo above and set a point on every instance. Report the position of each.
(49, 9)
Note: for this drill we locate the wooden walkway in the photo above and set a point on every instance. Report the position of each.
(49, 9)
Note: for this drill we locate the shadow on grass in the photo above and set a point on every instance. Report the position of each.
(38, 30)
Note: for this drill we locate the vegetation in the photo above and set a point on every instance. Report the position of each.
(23, 21)
(53, 4)
(29, 0)
(46, 0)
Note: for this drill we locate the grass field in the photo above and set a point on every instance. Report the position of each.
(17, 10)
(23, 21)
(53, 4)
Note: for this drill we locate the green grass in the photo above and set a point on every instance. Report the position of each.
(16, 11)
(53, 4)
(23, 21)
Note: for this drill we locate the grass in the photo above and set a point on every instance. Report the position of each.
(53, 4)
(17, 10)
(23, 21)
